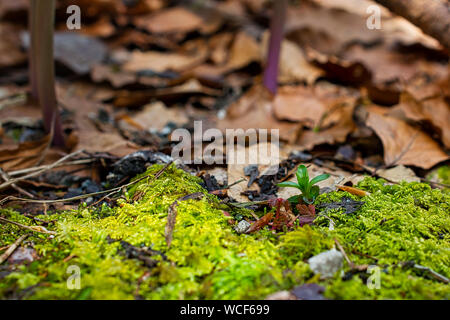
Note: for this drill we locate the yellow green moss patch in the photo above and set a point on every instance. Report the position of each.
(209, 260)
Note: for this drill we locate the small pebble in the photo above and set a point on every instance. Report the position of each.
(242, 226)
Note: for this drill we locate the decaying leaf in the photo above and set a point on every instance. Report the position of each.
(398, 174)
(404, 144)
(255, 110)
(261, 223)
(434, 109)
(171, 20)
(23, 155)
(293, 64)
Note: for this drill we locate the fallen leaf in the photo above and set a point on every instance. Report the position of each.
(261, 223)
(253, 110)
(314, 105)
(398, 174)
(404, 144)
(170, 20)
(23, 155)
(293, 64)
(329, 30)
(10, 52)
(155, 116)
(125, 98)
(244, 157)
(244, 50)
(434, 109)
(116, 78)
(161, 61)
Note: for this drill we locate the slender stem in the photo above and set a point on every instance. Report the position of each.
(33, 30)
(276, 37)
(45, 67)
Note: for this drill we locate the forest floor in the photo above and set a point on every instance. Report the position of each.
(115, 215)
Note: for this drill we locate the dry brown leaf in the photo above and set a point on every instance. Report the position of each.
(404, 144)
(313, 105)
(171, 20)
(435, 110)
(254, 110)
(293, 64)
(100, 73)
(138, 98)
(389, 65)
(245, 49)
(327, 30)
(155, 116)
(219, 47)
(101, 28)
(87, 136)
(398, 174)
(235, 171)
(23, 155)
(261, 223)
(161, 61)
(10, 52)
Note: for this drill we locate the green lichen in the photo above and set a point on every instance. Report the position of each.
(209, 260)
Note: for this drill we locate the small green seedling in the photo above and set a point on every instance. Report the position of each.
(306, 186)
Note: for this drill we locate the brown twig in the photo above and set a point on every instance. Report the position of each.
(12, 248)
(31, 228)
(37, 173)
(33, 169)
(350, 263)
(84, 196)
(6, 178)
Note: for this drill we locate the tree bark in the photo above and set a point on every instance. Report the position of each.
(432, 16)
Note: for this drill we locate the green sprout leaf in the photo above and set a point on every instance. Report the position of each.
(302, 176)
(288, 184)
(319, 178)
(308, 188)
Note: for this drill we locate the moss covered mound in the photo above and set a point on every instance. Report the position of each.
(121, 253)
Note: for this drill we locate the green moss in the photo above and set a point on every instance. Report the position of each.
(209, 260)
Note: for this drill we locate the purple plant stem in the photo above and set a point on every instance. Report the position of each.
(276, 36)
(45, 67)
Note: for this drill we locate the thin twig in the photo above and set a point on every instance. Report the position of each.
(6, 177)
(84, 196)
(350, 263)
(37, 173)
(12, 248)
(31, 228)
(33, 169)
(433, 273)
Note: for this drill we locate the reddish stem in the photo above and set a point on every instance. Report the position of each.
(276, 37)
(44, 66)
